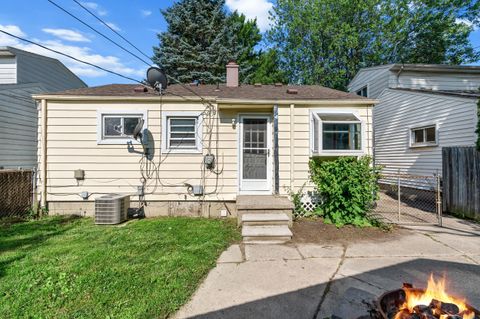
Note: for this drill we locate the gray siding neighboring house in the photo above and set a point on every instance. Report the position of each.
(421, 109)
(21, 75)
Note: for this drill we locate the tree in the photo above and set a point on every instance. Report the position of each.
(201, 39)
(242, 38)
(192, 48)
(267, 70)
(327, 41)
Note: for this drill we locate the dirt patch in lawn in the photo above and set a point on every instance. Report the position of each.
(315, 231)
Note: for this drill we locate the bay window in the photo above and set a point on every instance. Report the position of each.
(336, 133)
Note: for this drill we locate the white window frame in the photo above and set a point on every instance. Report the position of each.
(102, 140)
(420, 126)
(166, 132)
(320, 151)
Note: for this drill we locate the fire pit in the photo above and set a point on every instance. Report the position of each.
(430, 303)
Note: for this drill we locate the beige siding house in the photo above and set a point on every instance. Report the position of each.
(259, 137)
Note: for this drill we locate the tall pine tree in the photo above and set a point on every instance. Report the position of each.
(202, 38)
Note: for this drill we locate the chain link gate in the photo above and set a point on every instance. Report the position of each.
(409, 199)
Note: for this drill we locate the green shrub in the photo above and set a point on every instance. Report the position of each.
(347, 187)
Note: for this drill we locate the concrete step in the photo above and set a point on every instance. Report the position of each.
(263, 202)
(265, 219)
(266, 234)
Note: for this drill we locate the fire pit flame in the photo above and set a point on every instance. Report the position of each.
(433, 302)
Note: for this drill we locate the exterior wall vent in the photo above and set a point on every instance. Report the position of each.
(111, 209)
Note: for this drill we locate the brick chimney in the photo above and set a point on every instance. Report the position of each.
(232, 74)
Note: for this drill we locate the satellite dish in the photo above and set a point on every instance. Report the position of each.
(137, 131)
(157, 78)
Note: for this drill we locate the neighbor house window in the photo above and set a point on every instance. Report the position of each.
(363, 92)
(423, 136)
(182, 132)
(336, 133)
(117, 127)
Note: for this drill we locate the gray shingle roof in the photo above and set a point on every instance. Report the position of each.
(243, 92)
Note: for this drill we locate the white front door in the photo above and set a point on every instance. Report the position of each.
(255, 141)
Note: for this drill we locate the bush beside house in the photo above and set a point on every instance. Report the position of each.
(347, 187)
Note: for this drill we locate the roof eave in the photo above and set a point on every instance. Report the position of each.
(153, 98)
(339, 101)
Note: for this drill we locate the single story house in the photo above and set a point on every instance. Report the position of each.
(206, 144)
(421, 108)
(22, 74)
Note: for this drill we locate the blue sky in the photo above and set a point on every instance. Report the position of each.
(137, 20)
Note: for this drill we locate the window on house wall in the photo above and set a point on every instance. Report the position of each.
(182, 132)
(423, 136)
(117, 127)
(363, 91)
(336, 133)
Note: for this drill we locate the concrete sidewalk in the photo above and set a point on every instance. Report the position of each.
(318, 281)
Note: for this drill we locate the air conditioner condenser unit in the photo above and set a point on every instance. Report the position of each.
(111, 209)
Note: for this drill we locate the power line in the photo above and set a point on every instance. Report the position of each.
(69, 56)
(98, 32)
(112, 29)
(128, 51)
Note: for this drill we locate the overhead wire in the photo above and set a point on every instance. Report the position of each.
(112, 29)
(96, 31)
(70, 57)
(209, 111)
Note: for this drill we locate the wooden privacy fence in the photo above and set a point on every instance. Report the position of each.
(461, 181)
(16, 192)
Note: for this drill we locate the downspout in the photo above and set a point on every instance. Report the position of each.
(292, 144)
(398, 74)
(43, 155)
(275, 150)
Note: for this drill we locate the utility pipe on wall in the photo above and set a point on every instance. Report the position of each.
(44, 152)
(275, 149)
(292, 144)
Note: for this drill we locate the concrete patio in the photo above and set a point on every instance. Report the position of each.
(318, 281)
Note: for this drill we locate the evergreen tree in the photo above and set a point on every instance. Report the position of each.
(201, 39)
(267, 70)
(242, 38)
(193, 47)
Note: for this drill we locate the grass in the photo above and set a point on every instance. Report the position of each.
(66, 267)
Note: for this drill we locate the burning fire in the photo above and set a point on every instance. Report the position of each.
(435, 292)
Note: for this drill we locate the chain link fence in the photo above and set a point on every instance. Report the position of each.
(17, 192)
(409, 199)
(402, 199)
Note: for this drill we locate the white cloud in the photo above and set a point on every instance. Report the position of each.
(95, 7)
(66, 34)
(109, 62)
(253, 9)
(466, 22)
(6, 40)
(84, 53)
(113, 26)
(146, 13)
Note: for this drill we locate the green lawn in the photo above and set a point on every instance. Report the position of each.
(61, 267)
